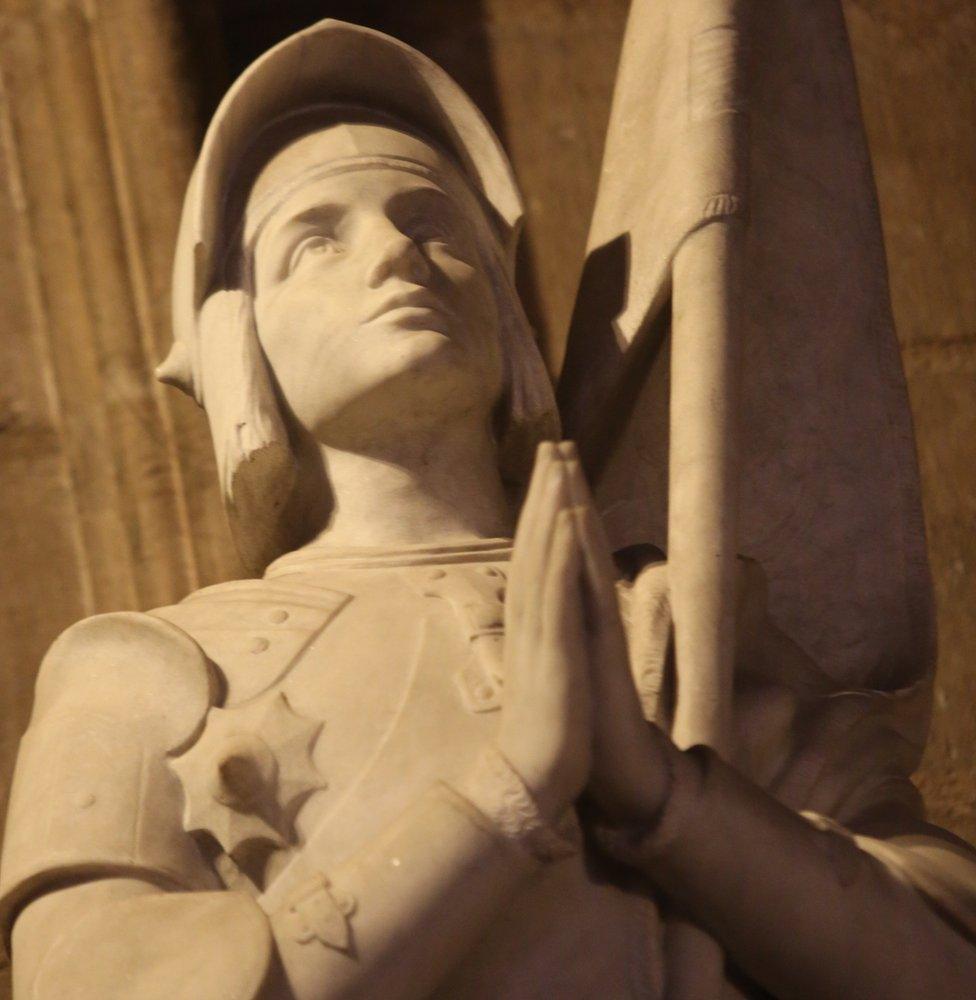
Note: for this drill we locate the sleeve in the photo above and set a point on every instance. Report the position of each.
(393, 919)
(389, 922)
(123, 939)
(800, 906)
(851, 774)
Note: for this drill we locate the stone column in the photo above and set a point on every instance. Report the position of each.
(108, 497)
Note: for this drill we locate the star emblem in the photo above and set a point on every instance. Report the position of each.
(249, 772)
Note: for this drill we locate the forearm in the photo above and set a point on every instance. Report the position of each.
(420, 894)
(802, 911)
(418, 897)
(126, 939)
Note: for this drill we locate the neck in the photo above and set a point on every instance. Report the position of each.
(438, 486)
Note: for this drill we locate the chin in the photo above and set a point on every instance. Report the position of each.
(398, 375)
(419, 348)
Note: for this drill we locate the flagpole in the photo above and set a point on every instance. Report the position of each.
(702, 481)
(702, 486)
(702, 466)
(668, 222)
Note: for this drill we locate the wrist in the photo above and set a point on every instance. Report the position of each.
(554, 780)
(644, 835)
(500, 793)
(636, 790)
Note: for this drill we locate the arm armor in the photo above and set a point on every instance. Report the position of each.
(93, 796)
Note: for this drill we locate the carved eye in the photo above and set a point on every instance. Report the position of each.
(314, 247)
(427, 231)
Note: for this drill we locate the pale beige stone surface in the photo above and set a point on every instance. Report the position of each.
(951, 793)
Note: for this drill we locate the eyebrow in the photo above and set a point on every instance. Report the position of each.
(330, 212)
(274, 228)
(424, 192)
(314, 215)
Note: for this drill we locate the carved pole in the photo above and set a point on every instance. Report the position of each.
(667, 228)
(668, 225)
(705, 349)
(702, 532)
(702, 475)
(702, 483)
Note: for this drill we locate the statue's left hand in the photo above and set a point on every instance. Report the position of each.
(630, 775)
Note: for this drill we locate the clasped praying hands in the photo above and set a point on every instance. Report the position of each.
(571, 720)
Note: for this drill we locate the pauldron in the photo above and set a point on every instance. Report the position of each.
(93, 793)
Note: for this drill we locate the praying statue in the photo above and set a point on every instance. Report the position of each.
(503, 716)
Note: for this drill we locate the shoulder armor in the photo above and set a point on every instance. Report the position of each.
(132, 666)
(92, 795)
(255, 630)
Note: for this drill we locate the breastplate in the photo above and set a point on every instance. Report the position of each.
(402, 680)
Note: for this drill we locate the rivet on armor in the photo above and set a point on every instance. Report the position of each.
(260, 644)
(278, 616)
(486, 617)
(346, 903)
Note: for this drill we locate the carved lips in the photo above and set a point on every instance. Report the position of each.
(417, 300)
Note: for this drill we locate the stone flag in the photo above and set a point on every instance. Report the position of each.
(727, 111)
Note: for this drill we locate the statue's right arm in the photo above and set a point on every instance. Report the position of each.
(111, 898)
(422, 892)
(95, 845)
(426, 889)
(107, 895)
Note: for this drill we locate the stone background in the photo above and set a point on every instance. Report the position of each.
(107, 485)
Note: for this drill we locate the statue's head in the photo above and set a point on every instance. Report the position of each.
(345, 274)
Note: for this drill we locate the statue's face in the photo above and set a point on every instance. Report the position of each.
(372, 306)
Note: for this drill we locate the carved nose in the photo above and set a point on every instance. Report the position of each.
(399, 258)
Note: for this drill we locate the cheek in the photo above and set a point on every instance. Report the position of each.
(474, 299)
(301, 334)
(298, 322)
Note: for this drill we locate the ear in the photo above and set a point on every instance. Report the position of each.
(254, 459)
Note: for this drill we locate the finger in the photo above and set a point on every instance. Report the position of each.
(580, 491)
(562, 607)
(544, 457)
(564, 631)
(601, 602)
(601, 569)
(536, 539)
(524, 603)
(529, 516)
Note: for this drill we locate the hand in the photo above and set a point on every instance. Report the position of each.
(546, 730)
(630, 776)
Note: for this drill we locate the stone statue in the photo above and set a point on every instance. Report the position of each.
(416, 758)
